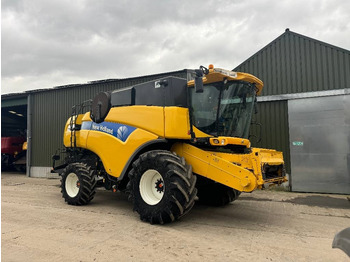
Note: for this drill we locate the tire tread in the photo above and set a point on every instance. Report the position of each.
(181, 186)
(87, 183)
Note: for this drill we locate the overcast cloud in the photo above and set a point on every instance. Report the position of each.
(53, 43)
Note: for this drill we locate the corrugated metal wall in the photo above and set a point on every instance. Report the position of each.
(51, 109)
(273, 117)
(294, 63)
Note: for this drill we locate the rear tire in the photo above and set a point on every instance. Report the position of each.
(78, 184)
(215, 194)
(161, 187)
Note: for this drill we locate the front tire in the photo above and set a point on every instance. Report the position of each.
(161, 186)
(78, 184)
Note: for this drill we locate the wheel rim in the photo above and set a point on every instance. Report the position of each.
(152, 187)
(72, 185)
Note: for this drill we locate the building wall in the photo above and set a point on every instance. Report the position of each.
(51, 109)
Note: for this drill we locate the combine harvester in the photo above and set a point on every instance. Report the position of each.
(167, 143)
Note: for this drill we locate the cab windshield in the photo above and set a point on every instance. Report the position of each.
(224, 109)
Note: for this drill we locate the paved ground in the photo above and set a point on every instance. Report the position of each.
(36, 225)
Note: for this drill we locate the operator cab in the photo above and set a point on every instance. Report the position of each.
(224, 104)
(224, 109)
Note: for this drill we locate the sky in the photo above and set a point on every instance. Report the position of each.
(58, 42)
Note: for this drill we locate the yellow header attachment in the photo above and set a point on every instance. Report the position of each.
(219, 74)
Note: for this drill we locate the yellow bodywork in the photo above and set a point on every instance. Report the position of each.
(144, 124)
(151, 123)
(239, 171)
(217, 168)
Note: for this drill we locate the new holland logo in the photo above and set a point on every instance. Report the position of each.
(122, 133)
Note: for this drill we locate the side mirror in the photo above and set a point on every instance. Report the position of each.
(56, 157)
(198, 81)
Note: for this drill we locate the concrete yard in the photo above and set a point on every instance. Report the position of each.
(37, 225)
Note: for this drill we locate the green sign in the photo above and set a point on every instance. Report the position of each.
(298, 143)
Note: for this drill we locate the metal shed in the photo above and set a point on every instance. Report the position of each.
(298, 71)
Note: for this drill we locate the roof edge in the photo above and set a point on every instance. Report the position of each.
(287, 31)
(26, 93)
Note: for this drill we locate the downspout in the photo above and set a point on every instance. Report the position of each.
(29, 134)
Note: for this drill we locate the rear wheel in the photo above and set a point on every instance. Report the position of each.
(161, 186)
(215, 194)
(78, 184)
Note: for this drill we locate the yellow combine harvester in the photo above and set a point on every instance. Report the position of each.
(167, 143)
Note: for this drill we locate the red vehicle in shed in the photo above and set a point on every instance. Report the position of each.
(11, 151)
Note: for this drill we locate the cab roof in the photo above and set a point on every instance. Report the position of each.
(219, 74)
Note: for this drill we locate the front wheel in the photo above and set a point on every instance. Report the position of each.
(78, 184)
(162, 187)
